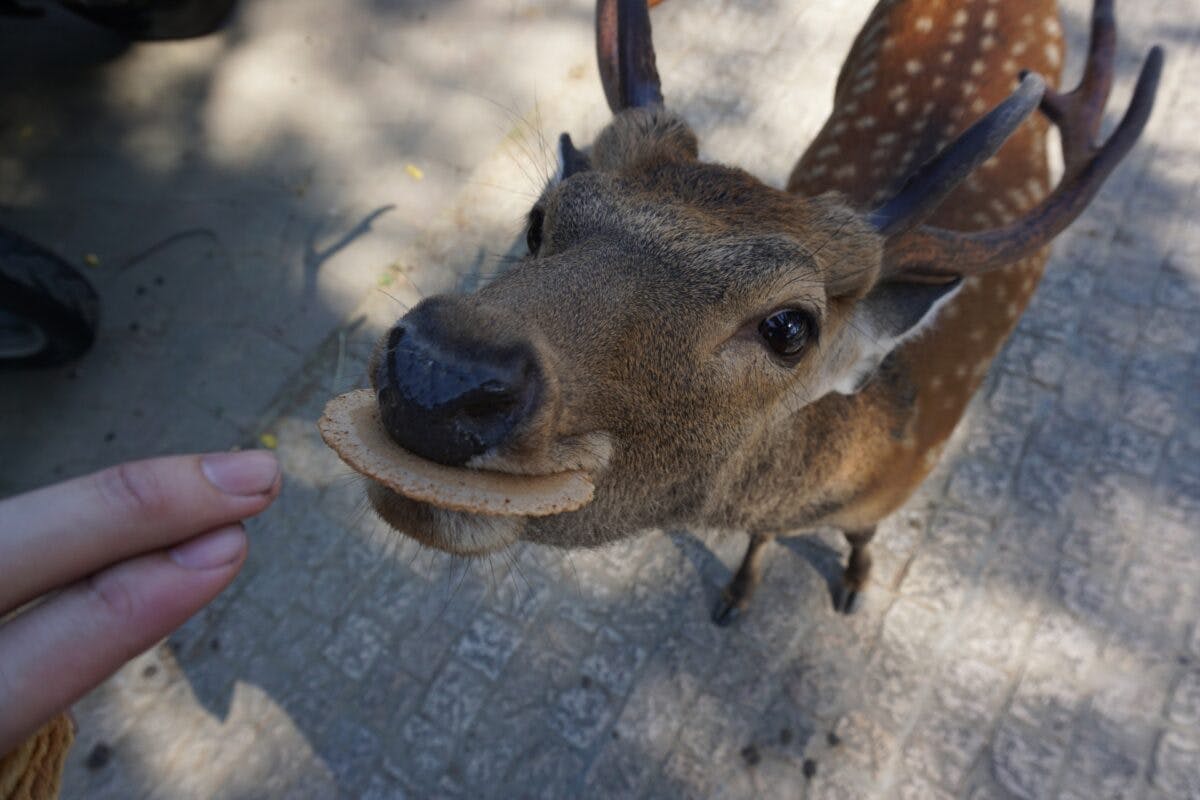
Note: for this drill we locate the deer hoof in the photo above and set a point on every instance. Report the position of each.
(846, 600)
(726, 613)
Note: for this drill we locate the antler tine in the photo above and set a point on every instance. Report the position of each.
(925, 190)
(1077, 114)
(932, 253)
(625, 51)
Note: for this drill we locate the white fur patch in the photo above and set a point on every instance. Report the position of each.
(874, 345)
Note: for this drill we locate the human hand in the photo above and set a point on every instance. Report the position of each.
(135, 549)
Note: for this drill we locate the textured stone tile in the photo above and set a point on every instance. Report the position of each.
(891, 686)
(937, 582)
(581, 713)
(387, 695)
(355, 646)
(687, 773)
(836, 784)
(315, 696)
(1184, 706)
(613, 661)
(1042, 485)
(912, 628)
(867, 741)
(1082, 589)
(1023, 762)
(487, 644)
(425, 650)
(455, 697)
(548, 770)
(1132, 448)
(1175, 769)
(958, 537)
(533, 676)
(519, 594)
(713, 730)
(381, 787)
(970, 689)
(620, 770)
(351, 751)
(997, 438)
(1105, 761)
(912, 787)
(1065, 440)
(979, 485)
(1150, 407)
(419, 754)
(943, 745)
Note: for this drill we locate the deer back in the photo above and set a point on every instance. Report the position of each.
(919, 73)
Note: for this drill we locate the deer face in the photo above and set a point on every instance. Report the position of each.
(669, 315)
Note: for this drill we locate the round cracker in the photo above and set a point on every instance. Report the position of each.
(351, 426)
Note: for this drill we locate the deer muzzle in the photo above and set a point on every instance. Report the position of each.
(450, 392)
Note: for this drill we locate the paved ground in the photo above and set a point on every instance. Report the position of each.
(1035, 627)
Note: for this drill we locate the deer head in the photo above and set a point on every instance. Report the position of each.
(675, 321)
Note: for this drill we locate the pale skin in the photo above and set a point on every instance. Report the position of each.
(115, 561)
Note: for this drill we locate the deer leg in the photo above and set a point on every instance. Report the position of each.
(736, 596)
(858, 569)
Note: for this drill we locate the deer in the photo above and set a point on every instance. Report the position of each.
(721, 354)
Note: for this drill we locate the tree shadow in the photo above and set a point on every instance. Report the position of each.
(349, 664)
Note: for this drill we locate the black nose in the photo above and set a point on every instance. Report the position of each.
(450, 401)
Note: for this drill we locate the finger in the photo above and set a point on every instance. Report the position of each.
(53, 654)
(56, 535)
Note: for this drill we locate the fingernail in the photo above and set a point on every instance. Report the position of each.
(246, 473)
(211, 550)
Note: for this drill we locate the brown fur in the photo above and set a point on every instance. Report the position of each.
(948, 365)
(644, 300)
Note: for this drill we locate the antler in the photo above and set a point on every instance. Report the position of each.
(1078, 113)
(626, 54)
(933, 253)
(926, 188)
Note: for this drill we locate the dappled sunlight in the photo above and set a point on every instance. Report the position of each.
(262, 205)
(183, 745)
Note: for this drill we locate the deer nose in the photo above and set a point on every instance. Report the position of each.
(449, 402)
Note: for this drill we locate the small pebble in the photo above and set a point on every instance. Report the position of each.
(810, 768)
(751, 755)
(833, 739)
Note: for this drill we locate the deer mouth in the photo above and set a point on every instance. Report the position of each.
(467, 510)
(460, 533)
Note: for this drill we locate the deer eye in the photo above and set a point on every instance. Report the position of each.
(533, 233)
(787, 331)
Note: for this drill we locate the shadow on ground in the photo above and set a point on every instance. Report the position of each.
(1033, 611)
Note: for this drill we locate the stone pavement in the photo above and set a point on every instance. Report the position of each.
(1034, 627)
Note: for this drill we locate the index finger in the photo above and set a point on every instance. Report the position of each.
(52, 536)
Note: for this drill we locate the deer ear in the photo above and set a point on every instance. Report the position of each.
(570, 159)
(891, 314)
